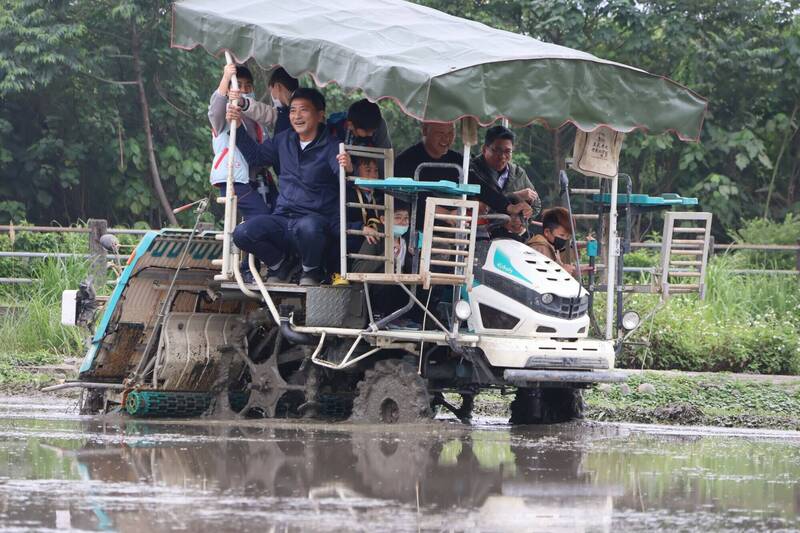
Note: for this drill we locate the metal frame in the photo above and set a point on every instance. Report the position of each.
(230, 196)
(612, 250)
(687, 247)
(387, 156)
(459, 237)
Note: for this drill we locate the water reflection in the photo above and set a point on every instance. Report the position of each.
(130, 476)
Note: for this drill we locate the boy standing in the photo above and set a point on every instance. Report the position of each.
(250, 200)
(362, 125)
(281, 87)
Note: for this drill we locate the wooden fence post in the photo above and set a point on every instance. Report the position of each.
(97, 228)
(798, 256)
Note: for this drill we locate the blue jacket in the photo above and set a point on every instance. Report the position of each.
(308, 181)
(282, 122)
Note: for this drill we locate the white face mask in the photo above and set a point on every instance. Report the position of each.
(399, 231)
(276, 103)
(252, 96)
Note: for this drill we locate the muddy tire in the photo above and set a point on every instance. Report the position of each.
(546, 406)
(392, 393)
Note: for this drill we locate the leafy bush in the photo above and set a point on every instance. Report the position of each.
(745, 324)
(761, 231)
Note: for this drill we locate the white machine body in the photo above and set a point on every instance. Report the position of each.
(530, 313)
(69, 307)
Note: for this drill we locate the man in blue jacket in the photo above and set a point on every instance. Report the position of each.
(306, 215)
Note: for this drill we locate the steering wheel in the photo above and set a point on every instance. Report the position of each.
(536, 206)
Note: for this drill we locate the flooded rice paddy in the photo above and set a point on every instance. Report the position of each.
(62, 471)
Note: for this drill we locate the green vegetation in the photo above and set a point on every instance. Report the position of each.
(73, 142)
(718, 400)
(747, 323)
(762, 231)
(31, 324)
(31, 328)
(693, 399)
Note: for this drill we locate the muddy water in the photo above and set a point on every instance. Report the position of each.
(62, 471)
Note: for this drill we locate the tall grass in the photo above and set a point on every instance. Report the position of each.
(741, 296)
(747, 323)
(31, 332)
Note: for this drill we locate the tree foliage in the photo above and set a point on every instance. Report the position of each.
(73, 139)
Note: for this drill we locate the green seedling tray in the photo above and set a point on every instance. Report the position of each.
(409, 186)
(666, 199)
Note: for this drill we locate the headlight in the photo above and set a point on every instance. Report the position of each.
(630, 320)
(547, 298)
(463, 310)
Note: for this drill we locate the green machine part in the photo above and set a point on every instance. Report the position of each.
(175, 404)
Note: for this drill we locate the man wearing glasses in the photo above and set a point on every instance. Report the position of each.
(505, 187)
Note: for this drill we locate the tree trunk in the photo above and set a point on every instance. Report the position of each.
(786, 139)
(148, 132)
(794, 157)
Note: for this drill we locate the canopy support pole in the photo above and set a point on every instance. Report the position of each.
(230, 194)
(612, 251)
(342, 217)
(469, 135)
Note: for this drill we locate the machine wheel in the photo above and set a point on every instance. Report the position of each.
(271, 385)
(92, 401)
(546, 406)
(392, 392)
(329, 395)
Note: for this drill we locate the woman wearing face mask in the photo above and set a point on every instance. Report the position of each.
(554, 242)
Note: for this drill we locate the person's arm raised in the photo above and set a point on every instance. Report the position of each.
(258, 155)
(254, 110)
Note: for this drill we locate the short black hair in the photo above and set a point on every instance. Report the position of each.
(358, 161)
(312, 95)
(498, 132)
(400, 205)
(279, 75)
(364, 115)
(243, 73)
(555, 217)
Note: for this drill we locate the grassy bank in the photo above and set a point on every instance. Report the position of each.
(727, 400)
(747, 323)
(711, 400)
(31, 330)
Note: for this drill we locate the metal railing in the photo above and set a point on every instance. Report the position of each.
(96, 228)
(95, 253)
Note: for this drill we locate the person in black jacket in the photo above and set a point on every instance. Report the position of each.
(437, 138)
(505, 187)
